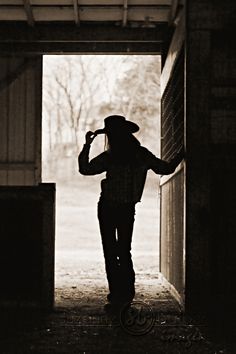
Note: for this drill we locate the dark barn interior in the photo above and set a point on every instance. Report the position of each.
(195, 39)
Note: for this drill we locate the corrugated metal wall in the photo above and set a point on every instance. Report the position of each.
(172, 245)
(20, 120)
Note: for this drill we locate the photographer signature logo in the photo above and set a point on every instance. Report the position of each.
(137, 318)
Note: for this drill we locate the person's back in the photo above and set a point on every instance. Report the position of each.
(125, 176)
(126, 163)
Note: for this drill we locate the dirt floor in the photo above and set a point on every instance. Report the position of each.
(79, 323)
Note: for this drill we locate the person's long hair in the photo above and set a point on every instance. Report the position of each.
(122, 146)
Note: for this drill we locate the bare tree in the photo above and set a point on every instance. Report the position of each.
(69, 96)
(138, 95)
(79, 91)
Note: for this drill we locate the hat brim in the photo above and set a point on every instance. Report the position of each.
(100, 131)
(129, 126)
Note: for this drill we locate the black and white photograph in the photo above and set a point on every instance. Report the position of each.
(117, 176)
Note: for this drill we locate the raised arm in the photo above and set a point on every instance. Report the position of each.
(96, 165)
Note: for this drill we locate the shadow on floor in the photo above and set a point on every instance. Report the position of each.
(79, 324)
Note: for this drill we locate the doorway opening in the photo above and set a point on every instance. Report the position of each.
(79, 91)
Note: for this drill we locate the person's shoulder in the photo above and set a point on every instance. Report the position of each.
(143, 154)
(106, 155)
(144, 151)
(103, 155)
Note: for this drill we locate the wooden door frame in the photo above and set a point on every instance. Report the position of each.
(176, 46)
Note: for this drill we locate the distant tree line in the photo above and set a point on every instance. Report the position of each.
(79, 91)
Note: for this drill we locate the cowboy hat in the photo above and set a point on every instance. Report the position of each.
(117, 122)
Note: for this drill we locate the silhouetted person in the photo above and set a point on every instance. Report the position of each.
(126, 163)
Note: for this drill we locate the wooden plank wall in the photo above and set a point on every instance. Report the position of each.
(20, 120)
(172, 263)
(172, 244)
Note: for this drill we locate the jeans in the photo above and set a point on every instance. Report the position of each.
(116, 227)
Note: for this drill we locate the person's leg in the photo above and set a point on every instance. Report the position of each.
(125, 231)
(107, 223)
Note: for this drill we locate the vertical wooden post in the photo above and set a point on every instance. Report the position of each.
(211, 168)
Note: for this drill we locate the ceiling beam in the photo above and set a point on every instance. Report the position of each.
(156, 14)
(67, 32)
(88, 2)
(29, 12)
(76, 12)
(82, 48)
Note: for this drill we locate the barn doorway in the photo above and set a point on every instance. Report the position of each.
(78, 92)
